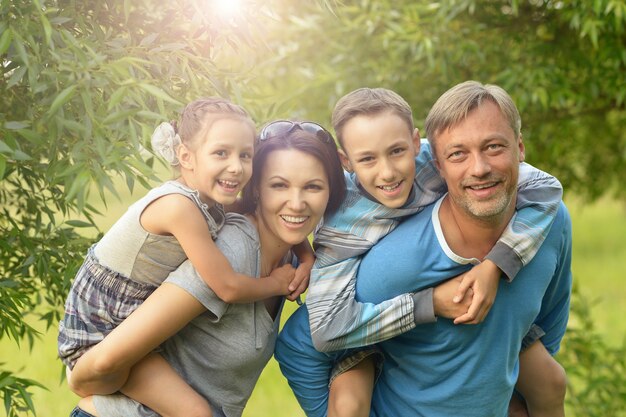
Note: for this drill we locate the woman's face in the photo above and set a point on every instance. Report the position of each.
(293, 193)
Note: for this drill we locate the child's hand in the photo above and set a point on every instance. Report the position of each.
(300, 282)
(282, 277)
(483, 279)
(442, 299)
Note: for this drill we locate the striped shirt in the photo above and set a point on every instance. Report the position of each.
(338, 320)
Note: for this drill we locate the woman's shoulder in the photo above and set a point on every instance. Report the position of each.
(238, 227)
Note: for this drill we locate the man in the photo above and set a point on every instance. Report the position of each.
(440, 369)
(307, 370)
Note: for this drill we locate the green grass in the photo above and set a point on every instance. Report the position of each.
(599, 248)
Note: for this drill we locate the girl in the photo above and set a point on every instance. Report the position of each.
(213, 150)
(298, 178)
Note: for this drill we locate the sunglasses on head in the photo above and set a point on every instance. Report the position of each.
(283, 127)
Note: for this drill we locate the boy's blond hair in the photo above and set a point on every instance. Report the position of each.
(368, 102)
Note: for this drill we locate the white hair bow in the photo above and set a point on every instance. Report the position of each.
(165, 142)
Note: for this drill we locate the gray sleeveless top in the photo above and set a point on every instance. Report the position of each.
(130, 250)
(222, 352)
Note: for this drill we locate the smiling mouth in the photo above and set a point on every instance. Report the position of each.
(228, 184)
(294, 219)
(389, 188)
(482, 186)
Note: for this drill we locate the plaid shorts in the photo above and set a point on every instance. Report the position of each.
(352, 357)
(99, 300)
(535, 333)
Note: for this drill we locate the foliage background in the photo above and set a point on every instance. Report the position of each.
(83, 83)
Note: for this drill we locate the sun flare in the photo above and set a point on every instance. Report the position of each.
(228, 9)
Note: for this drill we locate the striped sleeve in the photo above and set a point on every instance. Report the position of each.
(336, 318)
(338, 321)
(538, 198)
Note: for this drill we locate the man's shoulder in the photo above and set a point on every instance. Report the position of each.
(563, 220)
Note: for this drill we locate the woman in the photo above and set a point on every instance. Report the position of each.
(221, 353)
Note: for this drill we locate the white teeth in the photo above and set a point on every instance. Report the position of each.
(389, 187)
(294, 219)
(481, 186)
(231, 184)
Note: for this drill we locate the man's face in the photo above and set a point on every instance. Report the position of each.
(380, 149)
(479, 160)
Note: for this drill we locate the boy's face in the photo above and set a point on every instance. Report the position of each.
(380, 149)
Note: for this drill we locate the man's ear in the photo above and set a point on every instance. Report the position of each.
(185, 156)
(345, 162)
(522, 149)
(417, 141)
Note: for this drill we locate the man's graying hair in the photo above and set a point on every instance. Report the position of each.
(455, 104)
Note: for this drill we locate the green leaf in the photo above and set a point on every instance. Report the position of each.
(78, 223)
(116, 97)
(117, 116)
(6, 379)
(158, 93)
(150, 115)
(21, 156)
(3, 166)
(32, 136)
(46, 28)
(4, 148)
(17, 76)
(77, 186)
(15, 125)
(63, 97)
(5, 40)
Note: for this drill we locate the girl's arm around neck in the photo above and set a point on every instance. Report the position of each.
(178, 216)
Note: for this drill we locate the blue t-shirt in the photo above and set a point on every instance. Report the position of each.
(442, 369)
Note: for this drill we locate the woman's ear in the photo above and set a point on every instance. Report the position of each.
(185, 156)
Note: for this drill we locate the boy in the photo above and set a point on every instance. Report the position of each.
(390, 175)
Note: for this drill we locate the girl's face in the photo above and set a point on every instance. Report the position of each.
(221, 163)
(293, 193)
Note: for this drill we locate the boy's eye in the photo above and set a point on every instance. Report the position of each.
(396, 151)
(366, 159)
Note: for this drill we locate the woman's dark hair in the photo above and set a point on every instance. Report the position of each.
(324, 151)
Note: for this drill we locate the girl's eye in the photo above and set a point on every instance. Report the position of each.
(221, 153)
(246, 155)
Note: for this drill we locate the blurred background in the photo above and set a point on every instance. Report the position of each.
(83, 84)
